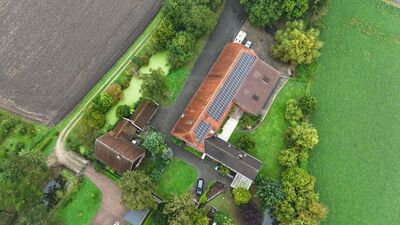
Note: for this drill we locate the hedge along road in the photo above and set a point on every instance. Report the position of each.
(111, 209)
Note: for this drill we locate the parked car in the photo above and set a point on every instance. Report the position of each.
(248, 44)
(240, 37)
(200, 186)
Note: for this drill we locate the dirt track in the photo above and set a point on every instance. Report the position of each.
(53, 51)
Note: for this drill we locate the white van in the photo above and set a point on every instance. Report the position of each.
(240, 37)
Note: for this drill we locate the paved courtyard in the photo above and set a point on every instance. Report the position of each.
(54, 51)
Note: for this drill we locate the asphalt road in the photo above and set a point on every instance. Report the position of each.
(54, 51)
(226, 29)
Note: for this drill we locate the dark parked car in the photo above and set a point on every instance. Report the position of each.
(200, 186)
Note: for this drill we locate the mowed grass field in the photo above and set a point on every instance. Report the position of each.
(357, 85)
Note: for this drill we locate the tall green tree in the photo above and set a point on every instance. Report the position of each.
(293, 9)
(137, 189)
(154, 85)
(262, 13)
(296, 45)
(181, 210)
(201, 21)
(22, 176)
(293, 111)
(177, 12)
(164, 33)
(181, 49)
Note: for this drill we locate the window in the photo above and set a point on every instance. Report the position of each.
(255, 97)
(266, 79)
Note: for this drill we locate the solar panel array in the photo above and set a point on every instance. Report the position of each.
(201, 131)
(231, 85)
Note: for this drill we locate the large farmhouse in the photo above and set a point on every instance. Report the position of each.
(240, 78)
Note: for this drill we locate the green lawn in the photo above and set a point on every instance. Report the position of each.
(269, 136)
(178, 177)
(357, 86)
(83, 206)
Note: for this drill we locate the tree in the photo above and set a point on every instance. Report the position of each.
(167, 154)
(288, 157)
(177, 12)
(123, 111)
(293, 9)
(212, 4)
(181, 210)
(302, 135)
(251, 214)
(269, 191)
(296, 45)
(201, 21)
(154, 142)
(102, 103)
(241, 196)
(245, 142)
(115, 91)
(164, 33)
(154, 85)
(137, 189)
(308, 104)
(181, 49)
(262, 13)
(22, 176)
(293, 112)
(222, 218)
(300, 205)
(37, 215)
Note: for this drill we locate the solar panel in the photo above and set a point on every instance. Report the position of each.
(231, 85)
(201, 131)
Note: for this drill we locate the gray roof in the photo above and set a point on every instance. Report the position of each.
(232, 157)
(136, 217)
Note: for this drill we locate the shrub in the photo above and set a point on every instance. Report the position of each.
(293, 112)
(251, 214)
(222, 218)
(308, 104)
(123, 111)
(138, 60)
(269, 191)
(223, 170)
(245, 142)
(296, 45)
(103, 103)
(154, 142)
(241, 196)
(289, 157)
(167, 154)
(115, 91)
(123, 81)
(72, 143)
(203, 198)
(248, 121)
(302, 136)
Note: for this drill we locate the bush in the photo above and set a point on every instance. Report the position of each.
(123, 81)
(222, 218)
(269, 191)
(288, 157)
(102, 103)
(123, 111)
(164, 34)
(302, 136)
(293, 112)
(72, 143)
(203, 198)
(308, 104)
(248, 121)
(154, 143)
(115, 91)
(241, 196)
(223, 170)
(245, 142)
(167, 154)
(296, 45)
(251, 214)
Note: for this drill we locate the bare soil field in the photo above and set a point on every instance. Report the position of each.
(53, 51)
